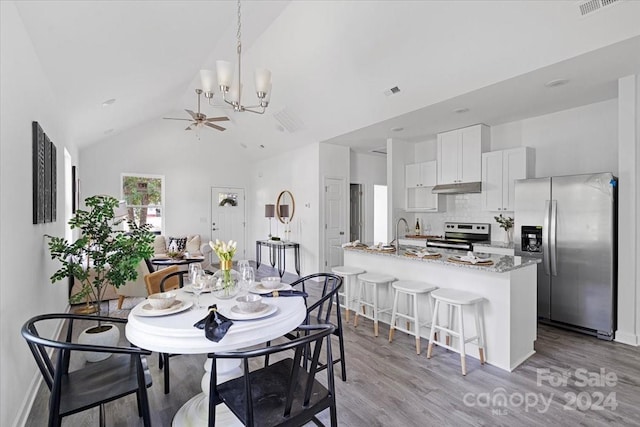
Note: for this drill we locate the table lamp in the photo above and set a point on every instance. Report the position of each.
(284, 213)
(269, 212)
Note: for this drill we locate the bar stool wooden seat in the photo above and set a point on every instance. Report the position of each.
(412, 289)
(372, 280)
(456, 299)
(348, 273)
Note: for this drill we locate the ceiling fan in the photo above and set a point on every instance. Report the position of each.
(200, 120)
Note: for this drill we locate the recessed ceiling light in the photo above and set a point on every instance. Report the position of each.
(108, 102)
(108, 131)
(556, 82)
(397, 129)
(461, 110)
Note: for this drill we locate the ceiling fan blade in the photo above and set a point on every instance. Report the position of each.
(218, 119)
(188, 127)
(173, 118)
(220, 128)
(192, 114)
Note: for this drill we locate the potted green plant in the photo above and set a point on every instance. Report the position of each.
(506, 223)
(103, 254)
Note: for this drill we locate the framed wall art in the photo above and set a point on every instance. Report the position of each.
(44, 176)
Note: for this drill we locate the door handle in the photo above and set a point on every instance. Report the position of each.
(545, 238)
(342, 233)
(553, 232)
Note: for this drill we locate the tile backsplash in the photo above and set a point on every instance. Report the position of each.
(462, 208)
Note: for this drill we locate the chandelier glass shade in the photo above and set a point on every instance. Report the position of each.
(230, 83)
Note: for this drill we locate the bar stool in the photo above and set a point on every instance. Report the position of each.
(347, 273)
(412, 289)
(455, 299)
(373, 280)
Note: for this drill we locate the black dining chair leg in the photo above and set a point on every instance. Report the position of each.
(343, 365)
(142, 391)
(160, 361)
(102, 416)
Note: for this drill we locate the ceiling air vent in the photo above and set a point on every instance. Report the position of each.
(591, 6)
(392, 91)
(289, 120)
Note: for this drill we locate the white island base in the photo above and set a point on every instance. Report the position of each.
(510, 315)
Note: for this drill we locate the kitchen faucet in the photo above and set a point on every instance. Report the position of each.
(406, 224)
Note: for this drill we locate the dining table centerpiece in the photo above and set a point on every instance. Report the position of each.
(225, 283)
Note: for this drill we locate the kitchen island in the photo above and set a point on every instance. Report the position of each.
(508, 285)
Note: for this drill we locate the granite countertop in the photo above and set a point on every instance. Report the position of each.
(501, 263)
(496, 244)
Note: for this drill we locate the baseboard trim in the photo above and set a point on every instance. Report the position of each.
(626, 338)
(36, 381)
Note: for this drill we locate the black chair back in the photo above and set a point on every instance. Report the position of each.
(323, 293)
(180, 275)
(74, 395)
(284, 393)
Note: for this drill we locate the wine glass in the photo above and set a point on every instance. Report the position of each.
(194, 269)
(247, 276)
(198, 285)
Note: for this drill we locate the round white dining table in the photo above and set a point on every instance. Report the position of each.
(175, 333)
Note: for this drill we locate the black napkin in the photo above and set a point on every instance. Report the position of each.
(215, 325)
(289, 293)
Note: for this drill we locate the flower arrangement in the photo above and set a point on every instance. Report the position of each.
(226, 281)
(505, 223)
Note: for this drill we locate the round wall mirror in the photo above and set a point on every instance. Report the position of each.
(285, 206)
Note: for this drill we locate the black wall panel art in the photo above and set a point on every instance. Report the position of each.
(44, 177)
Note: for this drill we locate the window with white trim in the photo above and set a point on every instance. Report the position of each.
(144, 199)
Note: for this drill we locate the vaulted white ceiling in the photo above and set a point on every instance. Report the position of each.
(331, 63)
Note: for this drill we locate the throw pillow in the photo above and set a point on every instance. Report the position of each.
(193, 244)
(180, 243)
(160, 245)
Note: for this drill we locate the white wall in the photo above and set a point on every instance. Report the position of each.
(368, 170)
(25, 264)
(629, 211)
(190, 167)
(399, 153)
(298, 172)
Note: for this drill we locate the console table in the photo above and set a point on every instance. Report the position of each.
(278, 254)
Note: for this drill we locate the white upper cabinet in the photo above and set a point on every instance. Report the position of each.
(420, 178)
(420, 174)
(460, 154)
(500, 170)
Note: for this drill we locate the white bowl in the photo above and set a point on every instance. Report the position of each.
(249, 303)
(270, 282)
(162, 300)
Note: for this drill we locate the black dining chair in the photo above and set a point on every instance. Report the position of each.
(323, 295)
(285, 393)
(123, 373)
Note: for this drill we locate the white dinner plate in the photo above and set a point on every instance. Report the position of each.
(187, 289)
(236, 314)
(260, 289)
(145, 309)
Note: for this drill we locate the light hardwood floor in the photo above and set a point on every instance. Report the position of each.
(389, 385)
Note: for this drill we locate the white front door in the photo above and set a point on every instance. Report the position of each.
(228, 217)
(335, 221)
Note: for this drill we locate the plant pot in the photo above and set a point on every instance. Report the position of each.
(107, 334)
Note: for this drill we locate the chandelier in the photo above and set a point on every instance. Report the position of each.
(232, 90)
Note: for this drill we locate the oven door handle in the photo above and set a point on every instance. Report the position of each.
(447, 245)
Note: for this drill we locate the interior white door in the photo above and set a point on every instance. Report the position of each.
(228, 217)
(335, 221)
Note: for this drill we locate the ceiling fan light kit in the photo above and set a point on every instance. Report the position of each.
(231, 89)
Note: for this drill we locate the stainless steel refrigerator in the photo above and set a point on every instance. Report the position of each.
(570, 222)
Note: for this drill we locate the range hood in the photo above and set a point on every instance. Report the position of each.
(460, 188)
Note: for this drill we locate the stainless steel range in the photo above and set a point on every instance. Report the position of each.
(462, 235)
